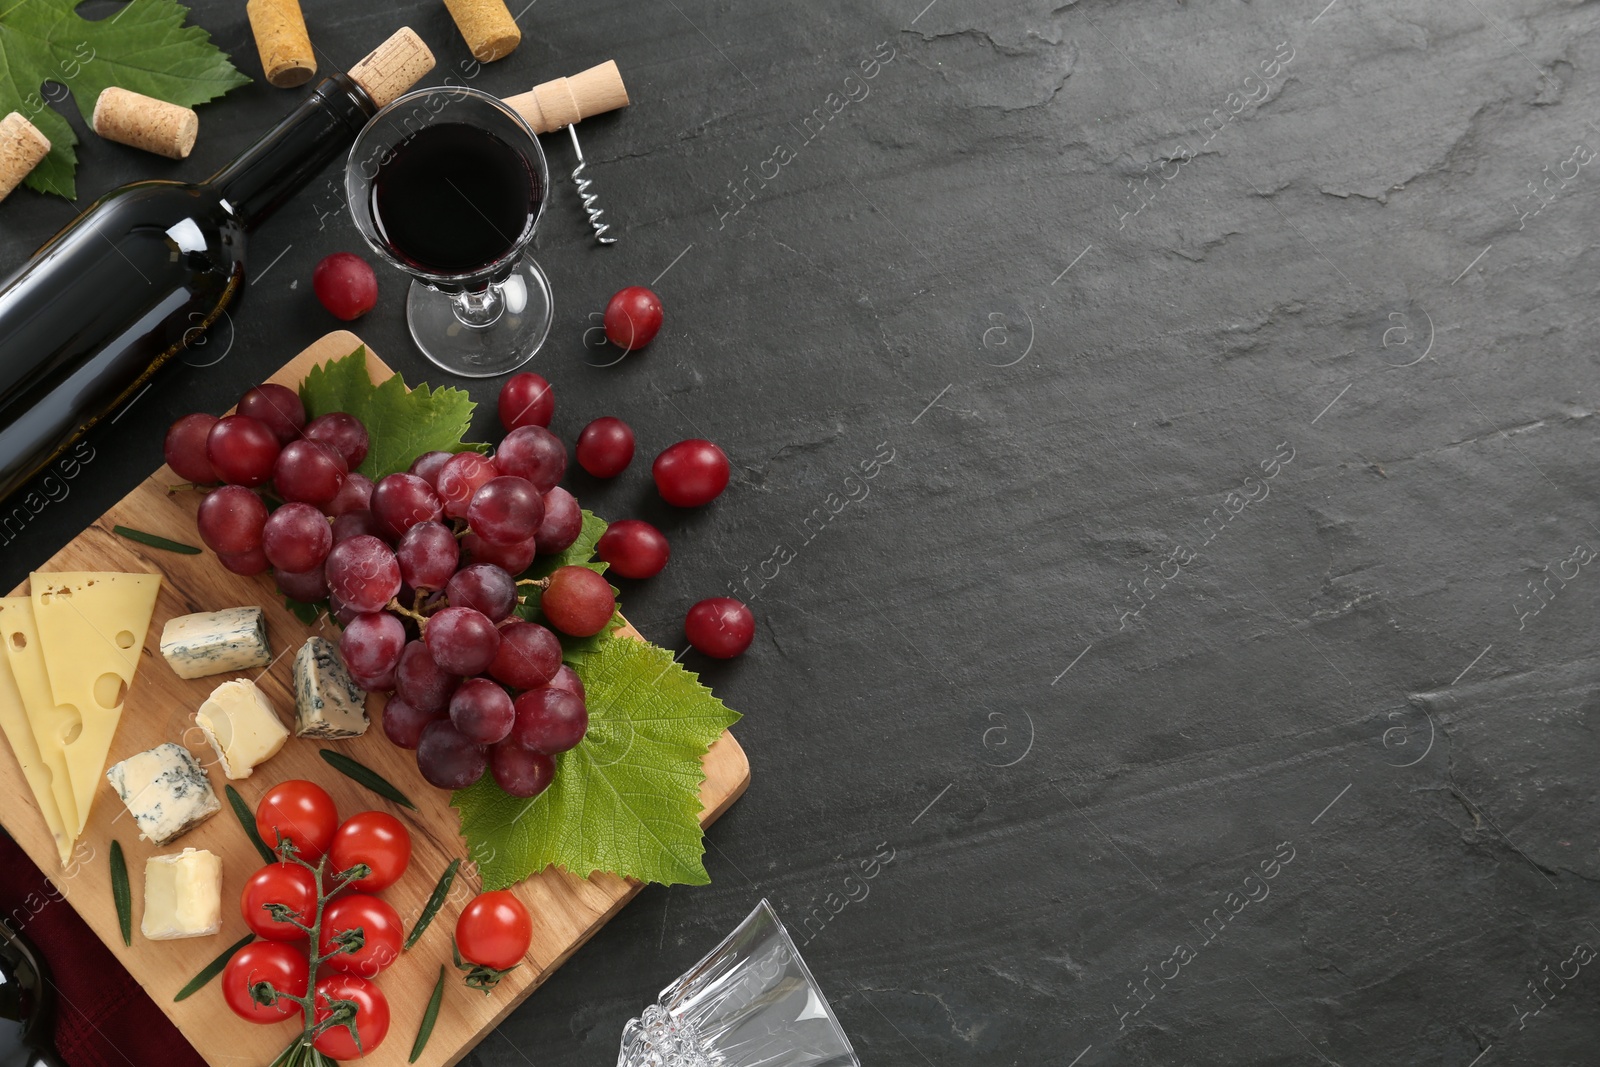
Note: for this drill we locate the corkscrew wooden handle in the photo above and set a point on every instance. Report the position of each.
(564, 101)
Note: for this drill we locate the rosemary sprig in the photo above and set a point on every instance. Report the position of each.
(121, 893)
(155, 541)
(364, 775)
(435, 902)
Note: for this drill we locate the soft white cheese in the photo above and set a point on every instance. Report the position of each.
(215, 642)
(327, 701)
(242, 726)
(182, 895)
(165, 790)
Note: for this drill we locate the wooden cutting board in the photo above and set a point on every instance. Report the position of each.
(566, 910)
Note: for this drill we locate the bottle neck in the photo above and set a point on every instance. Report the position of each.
(285, 160)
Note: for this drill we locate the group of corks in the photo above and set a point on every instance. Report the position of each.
(287, 58)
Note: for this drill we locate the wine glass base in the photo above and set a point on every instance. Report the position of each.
(483, 351)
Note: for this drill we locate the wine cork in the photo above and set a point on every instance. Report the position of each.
(141, 121)
(487, 25)
(22, 146)
(281, 38)
(554, 104)
(393, 67)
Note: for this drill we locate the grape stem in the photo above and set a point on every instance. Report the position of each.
(542, 583)
(398, 608)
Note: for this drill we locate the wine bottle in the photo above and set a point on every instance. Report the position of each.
(150, 266)
(26, 1005)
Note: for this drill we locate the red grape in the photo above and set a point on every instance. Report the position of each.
(363, 573)
(633, 317)
(562, 523)
(278, 407)
(526, 400)
(185, 448)
(534, 453)
(428, 465)
(230, 520)
(483, 587)
(605, 447)
(690, 473)
(506, 510)
(309, 471)
(308, 587)
(241, 450)
(354, 495)
(634, 548)
(567, 678)
(344, 432)
(355, 524)
(462, 640)
(513, 559)
(482, 711)
(429, 554)
(346, 285)
(296, 537)
(423, 684)
(720, 627)
(447, 759)
(549, 720)
(461, 476)
(403, 724)
(577, 601)
(248, 563)
(520, 771)
(529, 656)
(400, 501)
(371, 646)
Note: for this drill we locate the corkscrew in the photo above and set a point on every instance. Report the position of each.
(587, 197)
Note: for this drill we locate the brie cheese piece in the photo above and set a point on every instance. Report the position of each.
(182, 895)
(242, 727)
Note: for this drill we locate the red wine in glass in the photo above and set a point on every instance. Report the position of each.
(454, 199)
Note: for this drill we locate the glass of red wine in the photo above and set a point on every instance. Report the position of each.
(448, 184)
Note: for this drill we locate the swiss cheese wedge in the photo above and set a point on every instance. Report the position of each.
(51, 723)
(19, 733)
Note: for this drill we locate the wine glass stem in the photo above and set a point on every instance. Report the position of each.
(479, 309)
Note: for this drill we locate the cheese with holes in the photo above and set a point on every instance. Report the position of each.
(242, 726)
(92, 628)
(216, 642)
(165, 791)
(327, 701)
(19, 734)
(182, 895)
(53, 725)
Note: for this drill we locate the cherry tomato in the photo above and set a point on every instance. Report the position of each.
(494, 930)
(301, 812)
(377, 839)
(281, 964)
(371, 1020)
(279, 883)
(633, 317)
(380, 926)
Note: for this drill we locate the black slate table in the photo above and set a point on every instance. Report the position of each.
(1208, 660)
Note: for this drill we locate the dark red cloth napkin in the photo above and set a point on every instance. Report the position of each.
(103, 1017)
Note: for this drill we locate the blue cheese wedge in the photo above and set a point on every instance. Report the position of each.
(242, 726)
(182, 895)
(327, 701)
(165, 791)
(215, 642)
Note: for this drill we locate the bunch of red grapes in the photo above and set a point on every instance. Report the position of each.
(419, 568)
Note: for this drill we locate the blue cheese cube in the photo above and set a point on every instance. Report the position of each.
(327, 701)
(165, 791)
(215, 642)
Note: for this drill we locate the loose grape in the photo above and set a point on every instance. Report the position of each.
(549, 720)
(577, 601)
(423, 684)
(370, 647)
(633, 548)
(526, 400)
(447, 759)
(429, 554)
(344, 432)
(277, 406)
(605, 447)
(400, 501)
(519, 771)
(230, 520)
(364, 574)
(241, 450)
(562, 523)
(185, 448)
(513, 559)
(528, 658)
(461, 476)
(534, 453)
(462, 640)
(483, 587)
(308, 587)
(355, 524)
(567, 678)
(506, 510)
(309, 471)
(721, 627)
(248, 563)
(633, 317)
(690, 473)
(403, 724)
(354, 495)
(428, 465)
(346, 285)
(296, 537)
(482, 711)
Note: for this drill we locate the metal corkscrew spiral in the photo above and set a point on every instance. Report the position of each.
(587, 197)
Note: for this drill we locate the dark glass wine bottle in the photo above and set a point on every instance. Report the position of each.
(148, 267)
(25, 1006)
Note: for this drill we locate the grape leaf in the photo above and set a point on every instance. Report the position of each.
(401, 425)
(144, 47)
(626, 800)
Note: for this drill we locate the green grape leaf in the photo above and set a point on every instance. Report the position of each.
(401, 425)
(145, 47)
(626, 800)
